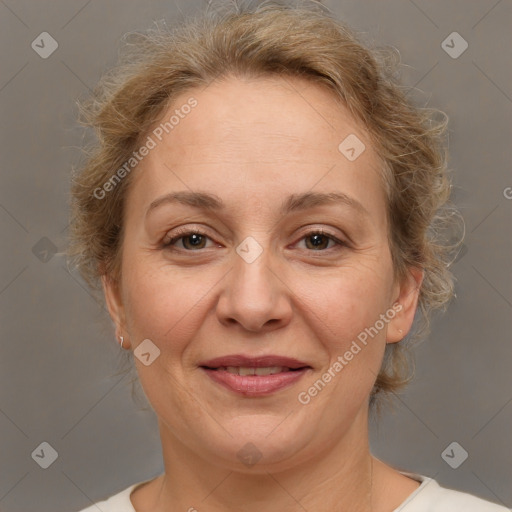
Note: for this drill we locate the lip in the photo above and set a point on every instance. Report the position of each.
(255, 385)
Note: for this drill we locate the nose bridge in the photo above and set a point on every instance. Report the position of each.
(252, 274)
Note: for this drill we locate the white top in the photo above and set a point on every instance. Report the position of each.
(428, 497)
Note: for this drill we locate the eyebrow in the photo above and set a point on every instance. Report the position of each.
(293, 203)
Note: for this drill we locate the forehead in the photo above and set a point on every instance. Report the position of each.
(259, 136)
(247, 117)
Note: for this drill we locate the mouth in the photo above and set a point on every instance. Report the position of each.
(253, 377)
(248, 370)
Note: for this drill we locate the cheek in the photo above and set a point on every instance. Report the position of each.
(345, 302)
(341, 318)
(165, 305)
(345, 313)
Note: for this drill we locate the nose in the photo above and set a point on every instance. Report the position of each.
(254, 297)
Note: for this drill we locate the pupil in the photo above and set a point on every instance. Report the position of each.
(195, 239)
(317, 240)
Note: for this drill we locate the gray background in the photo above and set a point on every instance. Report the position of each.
(58, 356)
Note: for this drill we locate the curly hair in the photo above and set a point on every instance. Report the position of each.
(274, 38)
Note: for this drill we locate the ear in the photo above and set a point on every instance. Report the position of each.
(405, 302)
(114, 303)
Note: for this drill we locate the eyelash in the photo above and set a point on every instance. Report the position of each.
(168, 244)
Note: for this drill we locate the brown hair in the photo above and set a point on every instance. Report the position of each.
(268, 39)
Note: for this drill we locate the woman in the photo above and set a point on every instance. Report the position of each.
(260, 214)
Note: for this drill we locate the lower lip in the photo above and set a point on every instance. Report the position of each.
(255, 385)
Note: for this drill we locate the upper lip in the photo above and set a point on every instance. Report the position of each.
(254, 362)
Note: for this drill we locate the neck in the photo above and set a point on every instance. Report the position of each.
(337, 478)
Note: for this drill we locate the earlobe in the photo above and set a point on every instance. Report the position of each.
(407, 297)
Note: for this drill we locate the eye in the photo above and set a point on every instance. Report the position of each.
(193, 240)
(319, 240)
(187, 240)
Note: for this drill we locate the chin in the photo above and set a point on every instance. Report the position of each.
(260, 443)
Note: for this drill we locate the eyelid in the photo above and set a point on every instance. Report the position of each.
(322, 231)
(182, 232)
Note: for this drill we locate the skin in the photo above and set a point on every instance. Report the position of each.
(252, 143)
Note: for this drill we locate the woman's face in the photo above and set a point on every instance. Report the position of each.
(288, 260)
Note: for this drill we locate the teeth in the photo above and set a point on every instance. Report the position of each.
(269, 370)
(242, 370)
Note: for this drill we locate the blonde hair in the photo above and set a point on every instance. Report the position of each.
(273, 38)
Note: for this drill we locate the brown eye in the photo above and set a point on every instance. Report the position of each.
(194, 241)
(189, 241)
(318, 241)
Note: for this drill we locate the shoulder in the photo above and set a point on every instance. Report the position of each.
(120, 502)
(431, 497)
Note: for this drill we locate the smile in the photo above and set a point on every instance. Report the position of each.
(255, 377)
